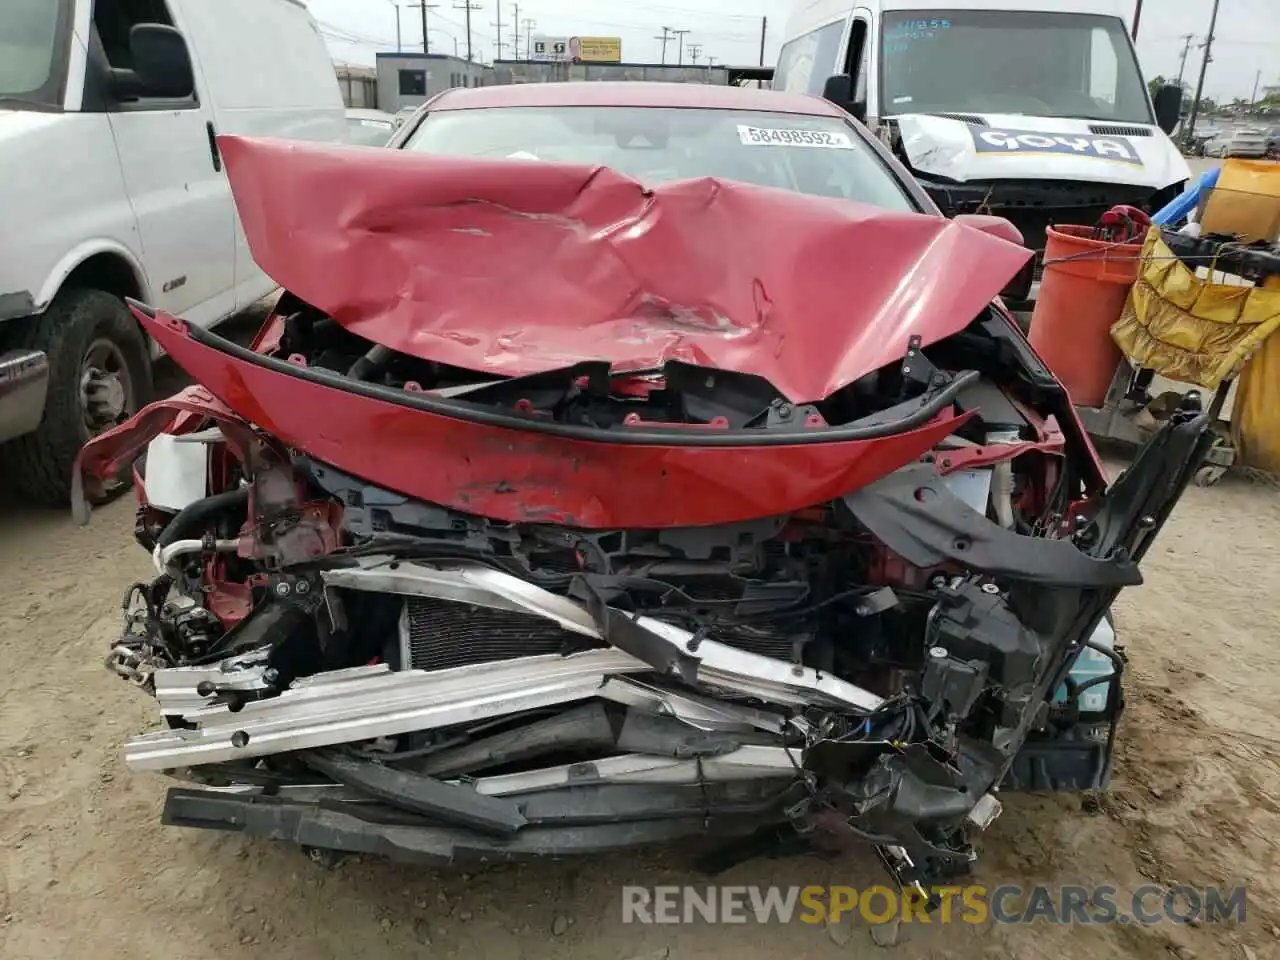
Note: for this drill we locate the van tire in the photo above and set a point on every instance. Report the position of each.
(38, 466)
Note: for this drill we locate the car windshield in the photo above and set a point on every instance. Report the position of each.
(1037, 64)
(368, 132)
(29, 31)
(808, 154)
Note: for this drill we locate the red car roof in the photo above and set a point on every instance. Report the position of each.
(634, 94)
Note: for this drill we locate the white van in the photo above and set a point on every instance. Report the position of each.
(1035, 110)
(113, 188)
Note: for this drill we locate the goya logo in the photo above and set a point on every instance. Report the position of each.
(1118, 149)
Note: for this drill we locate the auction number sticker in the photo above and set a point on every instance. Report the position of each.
(776, 137)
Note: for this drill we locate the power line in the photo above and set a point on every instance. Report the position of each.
(684, 12)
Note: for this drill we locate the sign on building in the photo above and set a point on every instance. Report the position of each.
(549, 48)
(595, 49)
(576, 49)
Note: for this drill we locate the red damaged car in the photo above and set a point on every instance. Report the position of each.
(624, 462)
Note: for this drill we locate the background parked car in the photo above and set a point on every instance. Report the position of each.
(369, 128)
(1240, 142)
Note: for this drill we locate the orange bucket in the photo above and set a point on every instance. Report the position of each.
(1081, 296)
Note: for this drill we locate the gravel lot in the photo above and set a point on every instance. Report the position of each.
(83, 860)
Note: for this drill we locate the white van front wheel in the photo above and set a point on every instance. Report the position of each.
(99, 376)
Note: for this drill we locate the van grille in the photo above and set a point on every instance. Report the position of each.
(972, 119)
(1110, 130)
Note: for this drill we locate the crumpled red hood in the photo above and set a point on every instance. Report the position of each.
(514, 267)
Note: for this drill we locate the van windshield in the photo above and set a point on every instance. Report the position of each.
(30, 51)
(1019, 62)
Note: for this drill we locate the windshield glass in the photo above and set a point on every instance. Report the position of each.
(816, 155)
(368, 132)
(29, 50)
(1039, 64)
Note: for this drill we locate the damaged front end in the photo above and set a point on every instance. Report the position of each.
(412, 602)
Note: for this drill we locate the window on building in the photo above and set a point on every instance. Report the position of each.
(413, 83)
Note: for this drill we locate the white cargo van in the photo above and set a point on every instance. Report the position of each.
(1034, 110)
(113, 188)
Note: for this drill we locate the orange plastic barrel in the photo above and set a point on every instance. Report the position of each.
(1081, 295)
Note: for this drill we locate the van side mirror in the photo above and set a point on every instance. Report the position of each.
(161, 64)
(1168, 105)
(992, 226)
(839, 90)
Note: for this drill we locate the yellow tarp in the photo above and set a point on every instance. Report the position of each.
(1188, 329)
(1255, 416)
(1245, 203)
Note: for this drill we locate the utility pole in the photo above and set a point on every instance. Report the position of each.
(498, 23)
(468, 6)
(515, 42)
(1137, 15)
(679, 35)
(695, 51)
(1186, 48)
(764, 30)
(666, 35)
(528, 23)
(399, 47)
(1204, 68)
(423, 7)
(1256, 80)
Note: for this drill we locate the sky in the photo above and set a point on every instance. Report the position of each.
(1247, 37)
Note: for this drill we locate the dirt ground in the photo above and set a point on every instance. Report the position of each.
(85, 868)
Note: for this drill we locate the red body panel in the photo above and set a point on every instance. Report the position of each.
(511, 267)
(517, 475)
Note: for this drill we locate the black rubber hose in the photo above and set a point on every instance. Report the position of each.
(195, 515)
(1115, 658)
(1113, 704)
(372, 362)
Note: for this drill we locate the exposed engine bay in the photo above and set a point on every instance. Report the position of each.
(498, 671)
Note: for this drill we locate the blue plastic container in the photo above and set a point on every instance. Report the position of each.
(1089, 664)
(1181, 206)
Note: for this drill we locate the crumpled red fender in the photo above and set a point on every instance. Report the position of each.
(107, 454)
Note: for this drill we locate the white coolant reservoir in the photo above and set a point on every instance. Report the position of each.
(971, 486)
(177, 472)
